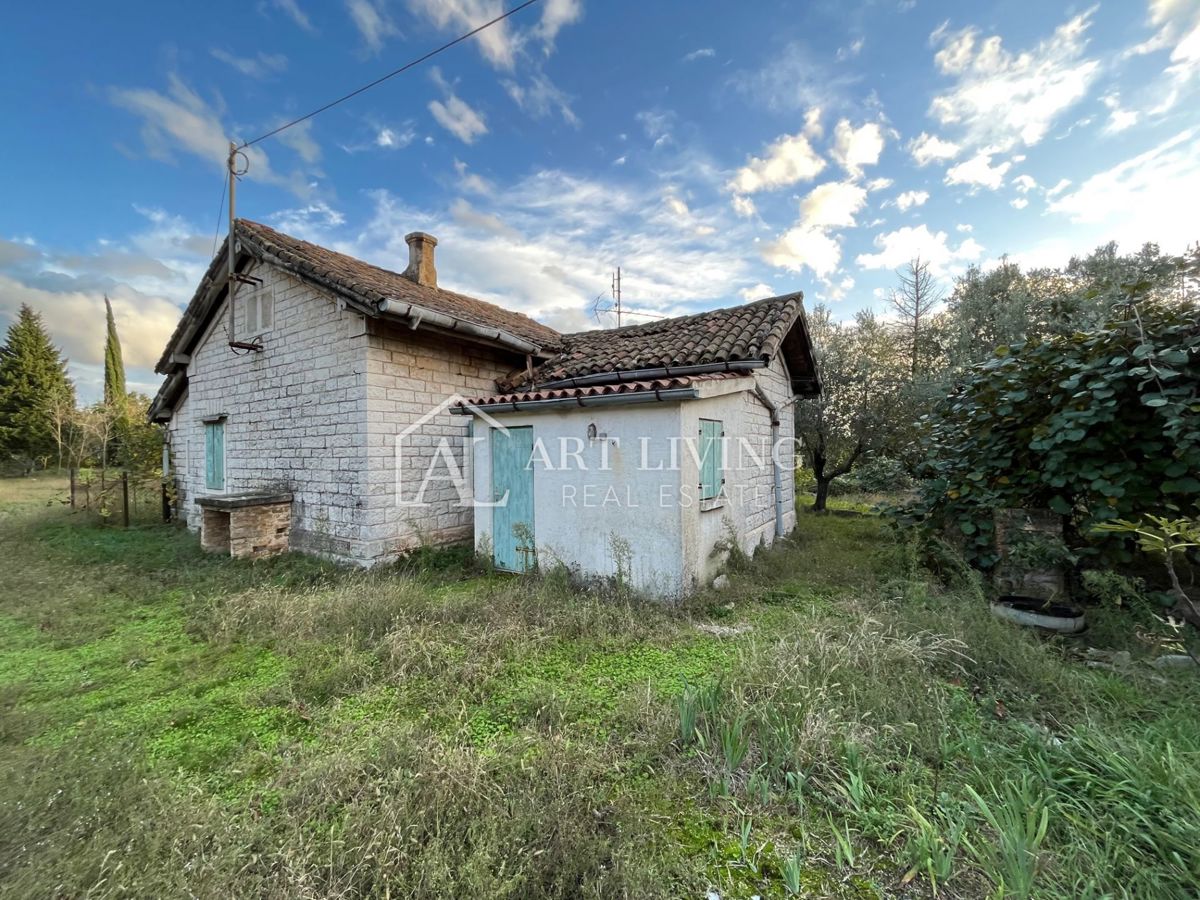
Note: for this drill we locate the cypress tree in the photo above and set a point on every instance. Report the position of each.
(33, 381)
(114, 365)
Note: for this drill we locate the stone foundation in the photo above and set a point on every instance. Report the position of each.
(246, 526)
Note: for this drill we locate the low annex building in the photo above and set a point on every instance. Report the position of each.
(389, 412)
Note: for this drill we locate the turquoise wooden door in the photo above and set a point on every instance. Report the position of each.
(512, 491)
(214, 456)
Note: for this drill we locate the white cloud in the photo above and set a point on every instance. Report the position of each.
(759, 291)
(459, 119)
(799, 247)
(927, 148)
(372, 21)
(390, 139)
(792, 78)
(832, 205)
(963, 227)
(850, 51)
(540, 97)
(1119, 118)
(470, 181)
(879, 184)
(835, 293)
(657, 124)
(261, 65)
(813, 129)
(180, 119)
(897, 248)
(909, 199)
(1178, 30)
(790, 159)
(857, 147)
(1000, 99)
(1018, 203)
(1024, 183)
(504, 41)
(297, 15)
(1141, 199)
(978, 171)
(743, 206)
(1058, 188)
(147, 276)
(702, 53)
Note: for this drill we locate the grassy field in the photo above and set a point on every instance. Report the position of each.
(831, 725)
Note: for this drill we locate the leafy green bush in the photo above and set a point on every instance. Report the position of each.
(1095, 426)
(881, 475)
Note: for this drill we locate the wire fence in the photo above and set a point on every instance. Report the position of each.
(118, 497)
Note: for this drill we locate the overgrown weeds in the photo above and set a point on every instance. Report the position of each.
(174, 724)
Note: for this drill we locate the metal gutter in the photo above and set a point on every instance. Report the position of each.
(658, 396)
(619, 376)
(402, 309)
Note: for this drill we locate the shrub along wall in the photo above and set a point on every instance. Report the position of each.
(1094, 426)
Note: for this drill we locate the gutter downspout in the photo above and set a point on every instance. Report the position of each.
(776, 465)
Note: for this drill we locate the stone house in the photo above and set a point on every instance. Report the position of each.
(340, 408)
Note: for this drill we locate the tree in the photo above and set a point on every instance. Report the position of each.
(33, 383)
(914, 302)
(854, 415)
(114, 365)
(1094, 425)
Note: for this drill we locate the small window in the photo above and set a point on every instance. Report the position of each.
(260, 311)
(712, 465)
(214, 455)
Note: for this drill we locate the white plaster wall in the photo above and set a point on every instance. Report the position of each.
(579, 510)
(749, 504)
(296, 414)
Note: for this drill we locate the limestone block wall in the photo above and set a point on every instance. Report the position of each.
(295, 414)
(411, 377)
(256, 531)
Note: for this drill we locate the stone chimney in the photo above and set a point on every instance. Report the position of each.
(420, 258)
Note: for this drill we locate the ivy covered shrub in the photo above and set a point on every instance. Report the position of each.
(1095, 426)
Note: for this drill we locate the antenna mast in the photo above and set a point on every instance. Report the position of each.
(616, 292)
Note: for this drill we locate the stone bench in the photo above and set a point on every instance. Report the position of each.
(248, 525)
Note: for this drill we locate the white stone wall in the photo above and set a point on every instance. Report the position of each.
(296, 414)
(748, 508)
(412, 374)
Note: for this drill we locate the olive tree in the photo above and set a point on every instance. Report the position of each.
(855, 415)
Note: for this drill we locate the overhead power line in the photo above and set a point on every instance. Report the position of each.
(392, 74)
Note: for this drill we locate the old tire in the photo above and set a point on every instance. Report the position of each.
(1047, 615)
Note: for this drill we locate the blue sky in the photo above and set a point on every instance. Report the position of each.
(717, 152)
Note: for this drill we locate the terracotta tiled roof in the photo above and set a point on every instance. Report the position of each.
(752, 332)
(598, 390)
(372, 283)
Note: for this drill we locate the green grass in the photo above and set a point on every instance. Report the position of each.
(177, 724)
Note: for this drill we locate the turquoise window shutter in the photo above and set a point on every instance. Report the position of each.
(710, 459)
(214, 456)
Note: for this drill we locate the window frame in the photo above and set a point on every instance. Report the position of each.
(711, 482)
(255, 302)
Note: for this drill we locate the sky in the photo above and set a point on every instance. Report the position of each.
(716, 152)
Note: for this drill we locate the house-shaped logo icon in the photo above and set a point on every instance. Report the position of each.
(432, 456)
